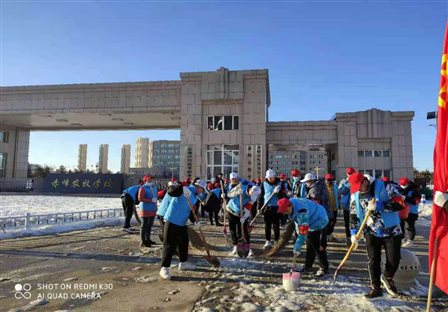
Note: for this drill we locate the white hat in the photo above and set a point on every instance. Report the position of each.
(270, 173)
(234, 175)
(201, 183)
(309, 177)
(370, 178)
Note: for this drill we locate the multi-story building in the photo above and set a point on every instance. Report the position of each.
(82, 157)
(141, 153)
(164, 158)
(103, 159)
(125, 158)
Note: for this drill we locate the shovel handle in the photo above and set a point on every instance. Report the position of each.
(261, 209)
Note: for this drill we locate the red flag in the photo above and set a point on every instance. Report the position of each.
(439, 227)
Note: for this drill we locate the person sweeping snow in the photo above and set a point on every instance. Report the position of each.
(147, 195)
(382, 229)
(271, 185)
(175, 234)
(239, 221)
(310, 220)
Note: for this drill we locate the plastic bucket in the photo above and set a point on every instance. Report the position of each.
(291, 281)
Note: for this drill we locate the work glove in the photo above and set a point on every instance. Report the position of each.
(246, 215)
(296, 253)
(197, 224)
(354, 241)
(239, 192)
(277, 189)
(371, 206)
(440, 198)
(223, 196)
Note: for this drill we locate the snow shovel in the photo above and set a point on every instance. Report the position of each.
(291, 280)
(209, 258)
(352, 246)
(259, 212)
(224, 204)
(242, 249)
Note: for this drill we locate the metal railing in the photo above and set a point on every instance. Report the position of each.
(30, 220)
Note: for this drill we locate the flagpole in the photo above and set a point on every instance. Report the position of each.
(432, 275)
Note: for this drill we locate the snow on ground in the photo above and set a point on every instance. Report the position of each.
(251, 293)
(20, 205)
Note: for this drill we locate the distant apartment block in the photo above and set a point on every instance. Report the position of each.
(125, 158)
(141, 153)
(164, 156)
(103, 159)
(82, 157)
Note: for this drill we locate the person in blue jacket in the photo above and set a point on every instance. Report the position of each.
(271, 185)
(344, 193)
(382, 229)
(408, 189)
(310, 219)
(175, 234)
(129, 199)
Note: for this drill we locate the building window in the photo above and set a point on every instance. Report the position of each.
(377, 153)
(360, 153)
(3, 159)
(222, 158)
(4, 136)
(386, 153)
(368, 153)
(223, 122)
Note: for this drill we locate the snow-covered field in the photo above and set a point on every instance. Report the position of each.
(20, 205)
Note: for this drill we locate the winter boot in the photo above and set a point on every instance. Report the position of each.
(165, 273)
(389, 284)
(267, 245)
(408, 244)
(374, 293)
(234, 251)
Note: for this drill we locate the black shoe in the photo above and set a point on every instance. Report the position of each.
(219, 224)
(389, 284)
(145, 244)
(152, 242)
(374, 293)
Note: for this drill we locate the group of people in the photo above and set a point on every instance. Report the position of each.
(310, 202)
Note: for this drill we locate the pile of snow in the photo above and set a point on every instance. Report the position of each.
(20, 205)
(251, 292)
(60, 228)
(425, 213)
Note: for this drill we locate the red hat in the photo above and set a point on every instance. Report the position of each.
(161, 194)
(355, 180)
(173, 179)
(385, 179)
(217, 185)
(295, 173)
(404, 181)
(187, 180)
(210, 185)
(282, 176)
(349, 170)
(329, 176)
(283, 204)
(147, 178)
(258, 180)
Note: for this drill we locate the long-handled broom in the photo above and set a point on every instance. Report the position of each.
(242, 249)
(352, 246)
(209, 258)
(259, 212)
(224, 205)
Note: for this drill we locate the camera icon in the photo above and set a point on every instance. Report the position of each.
(22, 291)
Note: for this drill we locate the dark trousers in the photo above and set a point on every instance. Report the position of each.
(313, 249)
(332, 223)
(145, 229)
(235, 229)
(347, 222)
(175, 238)
(213, 214)
(392, 247)
(412, 217)
(271, 219)
(128, 208)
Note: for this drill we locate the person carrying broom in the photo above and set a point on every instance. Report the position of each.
(382, 229)
(310, 220)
